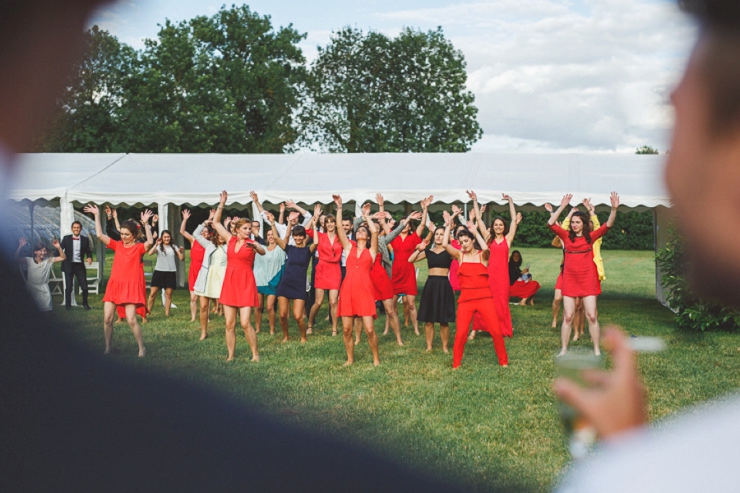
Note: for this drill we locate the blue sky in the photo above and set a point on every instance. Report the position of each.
(548, 75)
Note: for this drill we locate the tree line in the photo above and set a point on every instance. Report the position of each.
(232, 83)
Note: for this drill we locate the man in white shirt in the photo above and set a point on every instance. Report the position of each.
(76, 247)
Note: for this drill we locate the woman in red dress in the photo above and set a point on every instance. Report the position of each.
(498, 238)
(328, 271)
(239, 291)
(475, 295)
(521, 283)
(356, 298)
(580, 276)
(404, 273)
(126, 284)
(197, 252)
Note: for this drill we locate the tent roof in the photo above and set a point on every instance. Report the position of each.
(308, 177)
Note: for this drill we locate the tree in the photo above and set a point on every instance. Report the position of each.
(646, 150)
(370, 93)
(226, 83)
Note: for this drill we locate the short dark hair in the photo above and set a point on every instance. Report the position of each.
(76, 222)
(720, 66)
(298, 231)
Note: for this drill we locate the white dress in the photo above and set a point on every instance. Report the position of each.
(37, 282)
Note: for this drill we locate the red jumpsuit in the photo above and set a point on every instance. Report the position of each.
(475, 299)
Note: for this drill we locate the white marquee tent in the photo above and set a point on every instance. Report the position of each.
(172, 180)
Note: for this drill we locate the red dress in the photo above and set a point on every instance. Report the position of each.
(141, 310)
(580, 276)
(498, 282)
(328, 269)
(197, 252)
(404, 272)
(454, 281)
(239, 288)
(382, 287)
(521, 289)
(356, 297)
(126, 285)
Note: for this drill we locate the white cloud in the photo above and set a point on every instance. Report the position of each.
(561, 75)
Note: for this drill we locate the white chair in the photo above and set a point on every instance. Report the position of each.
(56, 284)
(93, 281)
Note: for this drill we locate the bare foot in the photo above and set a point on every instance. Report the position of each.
(349, 362)
(272, 332)
(309, 330)
(303, 340)
(255, 357)
(144, 320)
(523, 302)
(192, 320)
(561, 353)
(504, 366)
(142, 352)
(429, 349)
(531, 301)
(230, 358)
(416, 331)
(597, 352)
(107, 351)
(400, 342)
(203, 335)
(445, 350)
(472, 335)
(575, 337)
(257, 330)
(333, 333)
(285, 339)
(357, 341)
(376, 362)
(386, 332)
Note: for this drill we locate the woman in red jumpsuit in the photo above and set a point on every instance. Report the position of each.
(328, 271)
(475, 295)
(580, 277)
(356, 298)
(239, 290)
(404, 273)
(126, 285)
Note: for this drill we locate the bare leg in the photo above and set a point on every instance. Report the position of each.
(556, 301)
(230, 318)
(133, 322)
(271, 299)
(193, 306)
(204, 312)
(358, 330)
(109, 311)
(429, 333)
(167, 301)
(258, 313)
(333, 305)
(411, 301)
(579, 319)
(152, 297)
(349, 345)
(523, 301)
(283, 305)
(299, 311)
(315, 309)
(249, 334)
(444, 334)
(372, 338)
(569, 308)
(391, 316)
(589, 305)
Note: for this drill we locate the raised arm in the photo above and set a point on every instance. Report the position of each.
(415, 215)
(185, 216)
(566, 221)
(314, 222)
(145, 216)
(613, 214)
(220, 229)
(281, 216)
(563, 204)
(425, 211)
(279, 241)
(454, 252)
(256, 201)
(346, 244)
(93, 209)
(515, 219)
(153, 249)
(481, 241)
(476, 214)
(420, 253)
(591, 212)
(373, 236)
(180, 252)
(21, 243)
(62, 256)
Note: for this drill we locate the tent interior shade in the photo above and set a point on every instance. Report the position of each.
(196, 179)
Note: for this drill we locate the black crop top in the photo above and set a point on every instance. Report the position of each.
(441, 260)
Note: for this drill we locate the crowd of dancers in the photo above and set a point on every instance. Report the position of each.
(357, 266)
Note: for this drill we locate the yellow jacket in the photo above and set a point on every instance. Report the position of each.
(596, 247)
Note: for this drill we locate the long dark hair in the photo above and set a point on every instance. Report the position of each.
(506, 227)
(467, 233)
(161, 244)
(368, 242)
(586, 227)
(514, 262)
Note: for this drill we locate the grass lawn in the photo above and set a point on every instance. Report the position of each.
(481, 425)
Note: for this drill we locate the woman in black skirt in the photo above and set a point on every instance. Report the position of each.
(165, 271)
(437, 305)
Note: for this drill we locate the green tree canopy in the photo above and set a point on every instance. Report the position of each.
(646, 150)
(226, 83)
(370, 93)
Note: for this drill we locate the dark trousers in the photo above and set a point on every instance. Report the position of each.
(78, 271)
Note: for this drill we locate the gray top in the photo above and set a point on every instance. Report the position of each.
(166, 259)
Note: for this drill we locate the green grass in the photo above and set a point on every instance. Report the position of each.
(482, 424)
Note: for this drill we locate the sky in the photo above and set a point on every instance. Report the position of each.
(547, 75)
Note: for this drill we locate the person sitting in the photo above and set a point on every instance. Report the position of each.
(521, 284)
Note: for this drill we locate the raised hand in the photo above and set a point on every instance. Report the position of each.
(518, 218)
(317, 210)
(471, 226)
(271, 217)
(391, 222)
(365, 209)
(566, 199)
(115, 213)
(471, 214)
(422, 246)
(548, 207)
(379, 199)
(587, 204)
(415, 215)
(455, 208)
(290, 204)
(185, 214)
(337, 200)
(182, 249)
(472, 195)
(507, 197)
(91, 209)
(282, 207)
(615, 200)
(108, 211)
(211, 215)
(253, 195)
(293, 216)
(483, 209)
(155, 218)
(379, 215)
(227, 221)
(159, 241)
(222, 197)
(446, 216)
(55, 242)
(22, 242)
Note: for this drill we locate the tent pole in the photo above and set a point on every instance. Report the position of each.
(30, 211)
